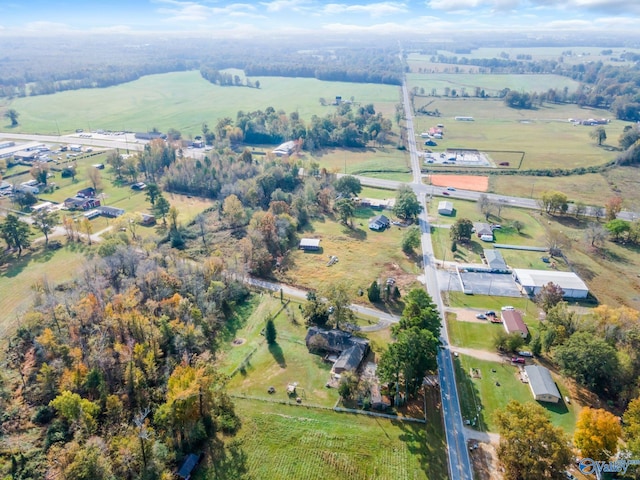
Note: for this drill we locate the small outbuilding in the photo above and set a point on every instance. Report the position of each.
(189, 465)
(513, 323)
(542, 386)
(445, 208)
(379, 223)
(309, 244)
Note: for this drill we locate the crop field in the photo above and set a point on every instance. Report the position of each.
(292, 442)
(363, 255)
(546, 136)
(184, 100)
(498, 385)
(389, 163)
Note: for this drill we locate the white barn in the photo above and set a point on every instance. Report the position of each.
(532, 282)
(445, 208)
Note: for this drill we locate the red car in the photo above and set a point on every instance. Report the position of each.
(446, 193)
(518, 360)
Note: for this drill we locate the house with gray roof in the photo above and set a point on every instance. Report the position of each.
(482, 229)
(542, 386)
(494, 260)
(379, 222)
(350, 350)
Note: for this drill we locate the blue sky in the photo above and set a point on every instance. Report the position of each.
(255, 18)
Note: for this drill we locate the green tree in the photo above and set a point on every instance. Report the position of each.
(599, 134)
(407, 206)
(597, 433)
(518, 225)
(152, 193)
(462, 230)
(419, 311)
(348, 386)
(373, 293)
(15, 233)
(161, 208)
(338, 297)
(12, 115)
(346, 210)
(554, 202)
(591, 361)
(530, 447)
(315, 311)
(270, 333)
(348, 186)
(411, 240)
(618, 228)
(45, 221)
(233, 211)
(40, 172)
(631, 428)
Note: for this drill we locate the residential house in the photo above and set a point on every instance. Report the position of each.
(88, 192)
(494, 260)
(81, 203)
(285, 149)
(112, 212)
(513, 323)
(351, 350)
(542, 386)
(379, 222)
(482, 229)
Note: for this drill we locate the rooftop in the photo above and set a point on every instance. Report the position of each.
(539, 278)
(541, 381)
(513, 321)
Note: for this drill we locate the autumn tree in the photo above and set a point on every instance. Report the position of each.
(554, 202)
(87, 228)
(530, 447)
(95, 178)
(631, 428)
(549, 296)
(613, 207)
(233, 211)
(339, 298)
(597, 433)
(40, 171)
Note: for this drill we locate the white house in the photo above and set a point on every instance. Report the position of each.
(532, 282)
(445, 208)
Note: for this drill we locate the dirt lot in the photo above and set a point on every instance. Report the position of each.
(467, 315)
(464, 182)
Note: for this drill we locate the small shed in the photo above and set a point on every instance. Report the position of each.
(379, 222)
(445, 208)
(512, 321)
(189, 465)
(542, 386)
(309, 244)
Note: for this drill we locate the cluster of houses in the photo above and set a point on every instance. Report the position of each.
(86, 200)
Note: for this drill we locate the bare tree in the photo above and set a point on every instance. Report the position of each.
(595, 234)
(95, 178)
(556, 242)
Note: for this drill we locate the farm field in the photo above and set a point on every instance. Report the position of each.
(389, 163)
(283, 441)
(546, 136)
(499, 384)
(363, 256)
(184, 100)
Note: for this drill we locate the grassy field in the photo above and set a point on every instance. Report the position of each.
(18, 278)
(544, 134)
(363, 255)
(478, 336)
(485, 393)
(484, 302)
(295, 442)
(184, 100)
(389, 163)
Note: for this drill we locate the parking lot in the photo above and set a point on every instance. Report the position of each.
(484, 283)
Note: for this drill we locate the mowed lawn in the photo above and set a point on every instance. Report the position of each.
(299, 443)
(363, 255)
(474, 335)
(184, 100)
(498, 384)
(389, 163)
(18, 278)
(544, 134)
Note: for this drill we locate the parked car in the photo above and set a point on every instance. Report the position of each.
(518, 360)
(524, 353)
(451, 189)
(496, 226)
(490, 313)
(481, 316)
(507, 307)
(504, 164)
(138, 186)
(446, 193)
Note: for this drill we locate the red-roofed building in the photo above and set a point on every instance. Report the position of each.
(512, 321)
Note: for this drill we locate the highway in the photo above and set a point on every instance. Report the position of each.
(458, 456)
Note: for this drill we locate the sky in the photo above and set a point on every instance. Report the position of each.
(256, 18)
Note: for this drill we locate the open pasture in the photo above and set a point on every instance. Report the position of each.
(292, 442)
(184, 100)
(545, 134)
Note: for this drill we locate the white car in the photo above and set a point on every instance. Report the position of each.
(507, 307)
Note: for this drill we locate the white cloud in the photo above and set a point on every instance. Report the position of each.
(373, 9)
(46, 27)
(284, 5)
(194, 12)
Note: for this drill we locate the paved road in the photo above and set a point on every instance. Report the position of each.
(459, 463)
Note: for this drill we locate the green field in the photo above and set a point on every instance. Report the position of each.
(474, 335)
(485, 393)
(184, 100)
(299, 443)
